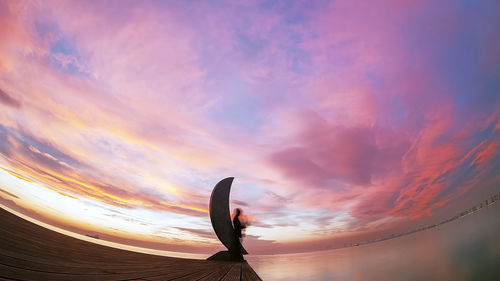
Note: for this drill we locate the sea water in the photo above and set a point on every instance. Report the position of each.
(464, 249)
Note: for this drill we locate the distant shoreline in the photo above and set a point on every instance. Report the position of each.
(486, 203)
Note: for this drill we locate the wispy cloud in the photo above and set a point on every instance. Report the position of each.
(6, 99)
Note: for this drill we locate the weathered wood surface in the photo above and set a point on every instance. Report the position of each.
(31, 252)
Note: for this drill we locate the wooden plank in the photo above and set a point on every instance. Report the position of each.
(234, 273)
(196, 275)
(103, 269)
(27, 274)
(170, 274)
(24, 274)
(9, 279)
(248, 274)
(217, 274)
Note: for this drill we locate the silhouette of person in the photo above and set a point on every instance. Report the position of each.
(239, 227)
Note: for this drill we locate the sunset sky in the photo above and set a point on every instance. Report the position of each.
(341, 121)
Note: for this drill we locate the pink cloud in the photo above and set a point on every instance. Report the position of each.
(434, 174)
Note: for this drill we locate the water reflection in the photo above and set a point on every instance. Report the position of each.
(464, 249)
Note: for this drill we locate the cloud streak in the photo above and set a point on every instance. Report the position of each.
(6, 99)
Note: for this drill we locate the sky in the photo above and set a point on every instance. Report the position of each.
(341, 121)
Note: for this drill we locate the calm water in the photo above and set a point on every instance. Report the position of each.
(465, 249)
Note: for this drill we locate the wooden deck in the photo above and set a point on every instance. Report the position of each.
(31, 252)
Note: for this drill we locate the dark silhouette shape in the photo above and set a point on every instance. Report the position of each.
(239, 227)
(235, 252)
(220, 217)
